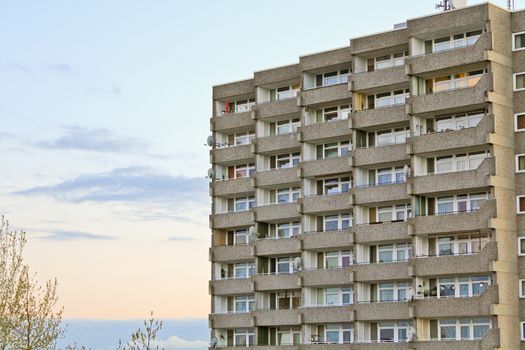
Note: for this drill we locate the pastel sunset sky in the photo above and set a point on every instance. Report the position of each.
(104, 112)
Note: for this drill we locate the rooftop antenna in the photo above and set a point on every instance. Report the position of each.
(446, 5)
(510, 5)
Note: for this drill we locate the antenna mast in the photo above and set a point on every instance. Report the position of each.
(510, 5)
(446, 5)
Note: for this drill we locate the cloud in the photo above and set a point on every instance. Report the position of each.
(20, 68)
(183, 239)
(95, 140)
(130, 185)
(59, 235)
(63, 68)
(177, 343)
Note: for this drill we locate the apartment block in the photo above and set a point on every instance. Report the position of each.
(373, 196)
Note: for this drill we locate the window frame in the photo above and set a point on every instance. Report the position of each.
(518, 163)
(514, 41)
(522, 330)
(520, 253)
(516, 115)
(396, 288)
(293, 194)
(293, 228)
(396, 326)
(248, 267)
(521, 288)
(518, 199)
(247, 333)
(340, 255)
(456, 282)
(341, 217)
(457, 240)
(340, 328)
(514, 81)
(248, 299)
(458, 324)
(340, 292)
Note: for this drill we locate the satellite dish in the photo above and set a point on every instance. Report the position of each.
(411, 334)
(251, 230)
(297, 263)
(210, 141)
(456, 4)
(211, 173)
(214, 342)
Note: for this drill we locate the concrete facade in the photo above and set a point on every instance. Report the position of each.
(383, 193)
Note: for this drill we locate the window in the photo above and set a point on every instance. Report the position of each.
(244, 337)
(244, 203)
(288, 336)
(241, 171)
(240, 106)
(454, 122)
(285, 126)
(522, 288)
(332, 78)
(392, 175)
(284, 265)
(391, 60)
(520, 163)
(459, 162)
(522, 327)
(331, 114)
(338, 296)
(518, 41)
(284, 92)
(244, 303)
(244, 138)
(519, 122)
(519, 81)
(336, 186)
(452, 41)
(337, 222)
(288, 229)
(521, 246)
(339, 333)
(463, 329)
(520, 203)
(244, 270)
(240, 237)
(398, 212)
(461, 244)
(388, 292)
(338, 259)
(387, 253)
(388, 137)
(387, 99)
(288, 300)
(454, 81)
(393, 332)
(287, 160)
(287, 195)
(333, 150)
(459, 203)
(462, 287)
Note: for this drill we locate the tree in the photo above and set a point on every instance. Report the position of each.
(27, 317)
(143, 338)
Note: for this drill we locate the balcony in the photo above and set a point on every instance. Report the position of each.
(320, 95)
(456, 264)
(277, 177)
(277, 282)
(357, 346)
(231, 220)
(232, 122)
(451, 58)
(237, 88)
(324, 131)
(276, 212)
(381, 41)
(452, 100)
(366, 82)
(257, 347)
(232, 187)
(277, 75)
(272, 144)
(462, 180)
(489, 341)
(231, 320)
(457, 307)
(266, 247)
(381, 271)
(327, 277)
(328, 239)
(232, 155)
(382, 311)
(325, 59)
(326, 203)
(231, 253)
(268, 110)
(277, 317)
(387, 231)
(380, 155)
(231, 286)
(380, 193)
(325, 167)
(456, 139)
(369, 118)
(456, 222)
(328, 314)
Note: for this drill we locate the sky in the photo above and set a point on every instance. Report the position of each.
(104, 112)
